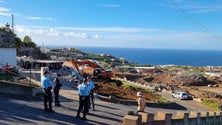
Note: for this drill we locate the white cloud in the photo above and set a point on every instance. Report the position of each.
(53, 32)
(83, 35)
(31, 31)
(108, 38)
(206, 9)
(201, 7)
(98, 36)
(77, 35)
(39, 18)
(108, 5)
(110, 29)
(99, 29)
(46, 31)
(4, 11)
(167, 39)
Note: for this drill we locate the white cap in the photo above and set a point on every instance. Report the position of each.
(139, 94)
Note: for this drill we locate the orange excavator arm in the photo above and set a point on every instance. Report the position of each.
(75, 64)
(93, 66)
(88, 62)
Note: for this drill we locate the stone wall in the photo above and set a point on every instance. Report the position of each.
(207, 94)
(181, 118)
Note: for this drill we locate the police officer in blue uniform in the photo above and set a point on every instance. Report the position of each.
(84, 91)
(91, 88)
(56, 89)
(47, 86)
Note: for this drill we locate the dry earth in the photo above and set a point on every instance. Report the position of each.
(116, 88)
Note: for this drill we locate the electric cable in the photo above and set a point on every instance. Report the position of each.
(195, 21)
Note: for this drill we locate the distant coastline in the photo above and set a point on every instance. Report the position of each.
(159, 56)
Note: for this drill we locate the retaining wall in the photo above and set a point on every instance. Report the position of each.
(17, 89)
(181, 118)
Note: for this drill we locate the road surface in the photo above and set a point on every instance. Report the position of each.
(190, 105)
(26, 110)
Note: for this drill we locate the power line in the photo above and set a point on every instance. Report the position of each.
(193, 20)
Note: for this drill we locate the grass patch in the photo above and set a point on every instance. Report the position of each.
(16, 80)
(210, 104)
(194, 71)
(28, 83)
(129, 85)
(163, 100)
(4, 77)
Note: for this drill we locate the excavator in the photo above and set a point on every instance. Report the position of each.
(91, 67)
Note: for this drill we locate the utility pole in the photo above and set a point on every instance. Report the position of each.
(43, 49)
(13, 24)
(30, 61)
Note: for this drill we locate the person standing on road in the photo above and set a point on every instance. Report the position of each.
(47, 86)
(57, 86)
(141, 103)
(83, 89)
(91, 96)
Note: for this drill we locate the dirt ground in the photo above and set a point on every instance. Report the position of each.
(202, 92)
(206, 95)
(115, 87)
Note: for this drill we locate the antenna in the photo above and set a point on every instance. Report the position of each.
(12, 24)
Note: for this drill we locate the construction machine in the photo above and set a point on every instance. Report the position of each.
(91, 67)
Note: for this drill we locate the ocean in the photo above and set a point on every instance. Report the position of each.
(162, 56)
(159, 56)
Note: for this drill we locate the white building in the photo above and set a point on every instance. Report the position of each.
(7, 47)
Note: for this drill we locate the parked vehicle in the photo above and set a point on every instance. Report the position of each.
(182, 95)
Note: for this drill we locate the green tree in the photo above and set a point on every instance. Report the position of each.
(18, 43)
(28, 42)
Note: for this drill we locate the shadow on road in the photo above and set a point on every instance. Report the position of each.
(109, 113)
(105, 117)
(14, 110)
(171, 105)
(106, 107)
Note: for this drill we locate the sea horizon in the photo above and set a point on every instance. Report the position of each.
(158, 56)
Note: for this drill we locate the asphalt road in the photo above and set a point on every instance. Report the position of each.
(190, 105)
(22, 110)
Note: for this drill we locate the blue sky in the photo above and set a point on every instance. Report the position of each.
(172, 24)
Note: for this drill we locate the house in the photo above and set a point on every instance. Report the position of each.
(7, 47)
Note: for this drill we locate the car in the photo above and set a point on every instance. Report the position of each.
(182, 95)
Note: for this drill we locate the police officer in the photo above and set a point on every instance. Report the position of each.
(83, 89)
(57, 86)
(47, 86)
(91, 88)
